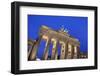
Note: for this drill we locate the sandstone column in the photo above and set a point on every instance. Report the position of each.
(69, 51)
(72, 52)
(62, 55)
(56, 53)
(54, 50)
(35, 49)
(45, 56)
(66, 50)
(75, 52)
(30, 45)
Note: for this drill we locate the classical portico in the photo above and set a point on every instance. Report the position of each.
(69, 45)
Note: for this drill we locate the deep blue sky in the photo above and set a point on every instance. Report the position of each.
(77, 26)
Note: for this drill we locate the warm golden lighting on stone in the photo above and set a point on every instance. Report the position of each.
(69, 45)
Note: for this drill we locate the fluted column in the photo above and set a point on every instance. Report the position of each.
(45, 56)
(69, 56)
(30, 45)
(66, 50)
(54, 50)
(75, 52)
(62, 56)
(72, 52)
(35, 49)
(56, 55)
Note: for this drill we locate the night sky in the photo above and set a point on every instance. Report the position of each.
(77, 27)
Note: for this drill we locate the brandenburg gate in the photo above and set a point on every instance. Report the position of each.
(70, 47)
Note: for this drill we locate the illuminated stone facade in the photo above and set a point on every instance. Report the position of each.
(70, 47)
